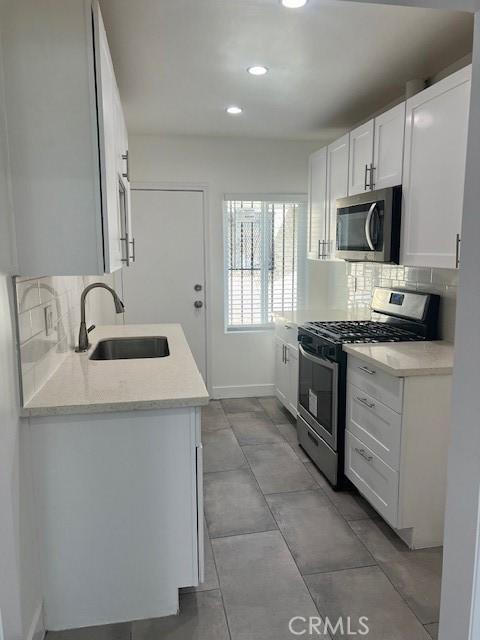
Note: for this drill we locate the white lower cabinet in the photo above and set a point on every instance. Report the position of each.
(373, 477)
(286, 366)
(375, 424)
(292, 366)
(281, 372)
(397, 436)
(119, 512)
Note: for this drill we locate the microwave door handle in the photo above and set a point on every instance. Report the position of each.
(368, 223)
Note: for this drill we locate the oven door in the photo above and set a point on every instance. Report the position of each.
(318, 395)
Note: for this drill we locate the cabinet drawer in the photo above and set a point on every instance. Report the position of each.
(288, 332)
(378, 384)
(372, 477)
(375, 424)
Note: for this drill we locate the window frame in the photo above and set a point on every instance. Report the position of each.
(277, 198)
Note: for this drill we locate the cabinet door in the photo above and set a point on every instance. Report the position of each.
(361, 158)
(108, 139)
(317, 203)
(434, 172)
(373, 478)
(337, 185)
(388, 148)
(281, 372)
(292, 365)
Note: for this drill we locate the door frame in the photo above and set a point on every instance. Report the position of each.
(202, 188)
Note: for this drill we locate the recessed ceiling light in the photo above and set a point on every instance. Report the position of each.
(257, 70)
(234, 110)
(294, 4)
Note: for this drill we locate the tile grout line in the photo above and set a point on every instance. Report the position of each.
(373, 557)
(336, 508)
(386, 575)
(283, 537)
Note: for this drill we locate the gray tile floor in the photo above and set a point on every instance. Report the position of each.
(281, 543)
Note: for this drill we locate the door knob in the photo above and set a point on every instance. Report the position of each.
(198, 287)
(198, 304)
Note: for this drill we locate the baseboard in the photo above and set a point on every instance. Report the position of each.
(37, 626)
(243, 391)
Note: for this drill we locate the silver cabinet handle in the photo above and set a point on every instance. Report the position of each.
(321, 249)
(372, 184)
(370, 372)
(286, 355)
(363, 453)
(365, 187)
(368, 404)
(126, 240)
(126, 157)
(133, 257)
(457, 250)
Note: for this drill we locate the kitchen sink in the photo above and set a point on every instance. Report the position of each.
(131, 348)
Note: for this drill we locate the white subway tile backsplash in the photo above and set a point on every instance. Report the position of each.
(38, 320)
(28, 295)
(28, 384)
(42, 354)
(24, 326)
(356, 282)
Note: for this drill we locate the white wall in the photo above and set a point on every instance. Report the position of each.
(462, 517)
(240, 363)
(19, 578)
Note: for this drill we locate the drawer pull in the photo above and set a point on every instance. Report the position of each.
(362, 452)
(364, 401)
(370, 372)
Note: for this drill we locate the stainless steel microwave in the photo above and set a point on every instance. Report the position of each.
(368, 226)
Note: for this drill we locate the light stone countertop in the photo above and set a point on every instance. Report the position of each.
(404, 359)
(325, 314)
(83, 386)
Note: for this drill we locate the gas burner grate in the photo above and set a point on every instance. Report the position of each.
(363, 331)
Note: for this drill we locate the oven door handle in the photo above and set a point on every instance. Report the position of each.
(323, 361)
(368, 223)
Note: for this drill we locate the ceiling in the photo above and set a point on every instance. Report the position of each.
(179, 63)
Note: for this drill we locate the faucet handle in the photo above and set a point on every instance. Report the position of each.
(91, 328)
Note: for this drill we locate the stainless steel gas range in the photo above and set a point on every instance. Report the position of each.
(400, 316)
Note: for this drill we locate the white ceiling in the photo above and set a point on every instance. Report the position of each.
(179, 63)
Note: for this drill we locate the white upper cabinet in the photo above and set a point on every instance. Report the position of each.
(337, 184)
(388, 148)
(434, 172)
(62, 114)
(361, 159)
(317, 204)
(110, 128)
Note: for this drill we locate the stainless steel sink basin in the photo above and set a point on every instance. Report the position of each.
(131, 348)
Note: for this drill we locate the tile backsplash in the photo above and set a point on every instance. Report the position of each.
(351, 284)
(54, 301)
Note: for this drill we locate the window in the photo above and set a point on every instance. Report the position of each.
(265, 257)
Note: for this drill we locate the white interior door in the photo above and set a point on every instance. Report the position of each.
(170, 262)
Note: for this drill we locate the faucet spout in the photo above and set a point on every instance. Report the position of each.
(83, 343)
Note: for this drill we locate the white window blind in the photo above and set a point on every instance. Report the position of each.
(265, 255)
